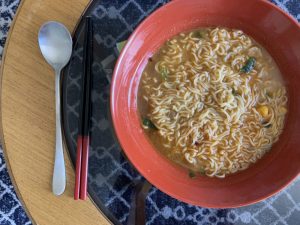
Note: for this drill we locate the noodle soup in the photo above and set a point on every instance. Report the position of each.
(212, 100)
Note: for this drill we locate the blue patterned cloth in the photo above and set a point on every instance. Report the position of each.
(283, 208)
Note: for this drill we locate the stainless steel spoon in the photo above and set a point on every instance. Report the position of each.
(56, 46)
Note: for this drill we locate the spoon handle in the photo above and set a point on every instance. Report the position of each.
(59, 174)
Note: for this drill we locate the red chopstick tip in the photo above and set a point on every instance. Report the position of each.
(83, 197)
(78, 167)
(84, 167)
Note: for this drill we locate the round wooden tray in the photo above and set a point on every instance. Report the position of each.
(28, 117)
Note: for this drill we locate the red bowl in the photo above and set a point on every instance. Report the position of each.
(278, 32)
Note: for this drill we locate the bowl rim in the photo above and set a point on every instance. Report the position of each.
(117, 130)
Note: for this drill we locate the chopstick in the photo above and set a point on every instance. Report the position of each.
(83, 138)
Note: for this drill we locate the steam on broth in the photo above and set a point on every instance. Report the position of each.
(212, 100)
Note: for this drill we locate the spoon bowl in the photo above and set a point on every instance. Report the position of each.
(55, 43)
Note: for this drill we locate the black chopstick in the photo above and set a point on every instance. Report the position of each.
(83, 138)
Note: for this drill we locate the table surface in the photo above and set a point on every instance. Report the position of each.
(283, 208)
